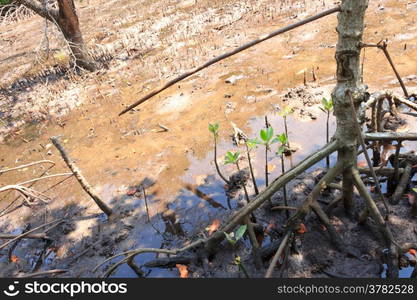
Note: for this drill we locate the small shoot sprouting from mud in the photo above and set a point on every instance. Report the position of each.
(250, 145)
(327, 107)
(283, 140)
(284, 113)
(214, 129)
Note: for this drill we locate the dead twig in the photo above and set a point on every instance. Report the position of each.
(27, 165)
(83, 182)
(231, 53)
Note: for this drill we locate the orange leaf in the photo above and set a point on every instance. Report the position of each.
(14, 259)
(213, 227)
(362, 164)
(183, 270)
(302, 229)
(412, 251)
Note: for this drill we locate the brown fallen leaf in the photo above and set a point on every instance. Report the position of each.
(271, 167)
(362, 164)
(131, 191)
(302, 229)
(412, 251)
(14, 259)
(183, 269)
(213, 227)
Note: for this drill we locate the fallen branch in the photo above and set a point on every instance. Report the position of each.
(390, 136)
(27, 165)
(55, 222)
(45, 177)
(49, 272)
(83, 182)
(231, 53)
(30, 236)
(278, 254)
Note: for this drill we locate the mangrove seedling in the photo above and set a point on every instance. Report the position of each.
(233, 158)
(284, 113)
(266, 139)
(214, 129)
(327, 107)
(238, 263)
(250, 144)
(283, 140)
(234, 237)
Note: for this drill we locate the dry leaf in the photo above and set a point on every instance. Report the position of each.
(271, 167)
(302, 229)
(412, 251)
(183, 270)
(14, 259)
(362, 164)
(131, 191)
(322, 227)
(213, 227)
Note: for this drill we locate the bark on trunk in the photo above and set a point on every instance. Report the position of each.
(68, 23)
(67, 20)
(350, 29)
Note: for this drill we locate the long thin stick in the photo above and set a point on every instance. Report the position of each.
(231, 53)
(277, 255)
(29, 232)
(49, 272)
(27, 165)
(83, 182)
(45, 177)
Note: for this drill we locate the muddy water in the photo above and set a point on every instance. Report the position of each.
(115, 153)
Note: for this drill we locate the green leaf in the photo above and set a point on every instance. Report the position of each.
(281, 150)
(283, 138)
(231, 158)
(240, 232)
(415, 190)
(252, 143)
(267, 134)
(327, 104)
(214, 128)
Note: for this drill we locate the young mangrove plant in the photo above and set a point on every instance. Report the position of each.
(233, 158)
(283, 140)
(266, 139)
(239, 264)
(327, 107)
(214, 129)
(250, 145)
(284, 113)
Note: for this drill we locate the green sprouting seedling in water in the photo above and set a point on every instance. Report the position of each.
(233, 158)
(327, 107)
(214, 129)
(266, 135)
(284, 113)
(238, 262)
(234, 237)
(250, 145)
(283, 140)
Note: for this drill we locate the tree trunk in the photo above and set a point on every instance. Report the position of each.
(350, 30)
(67, 20)
(68, 23)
